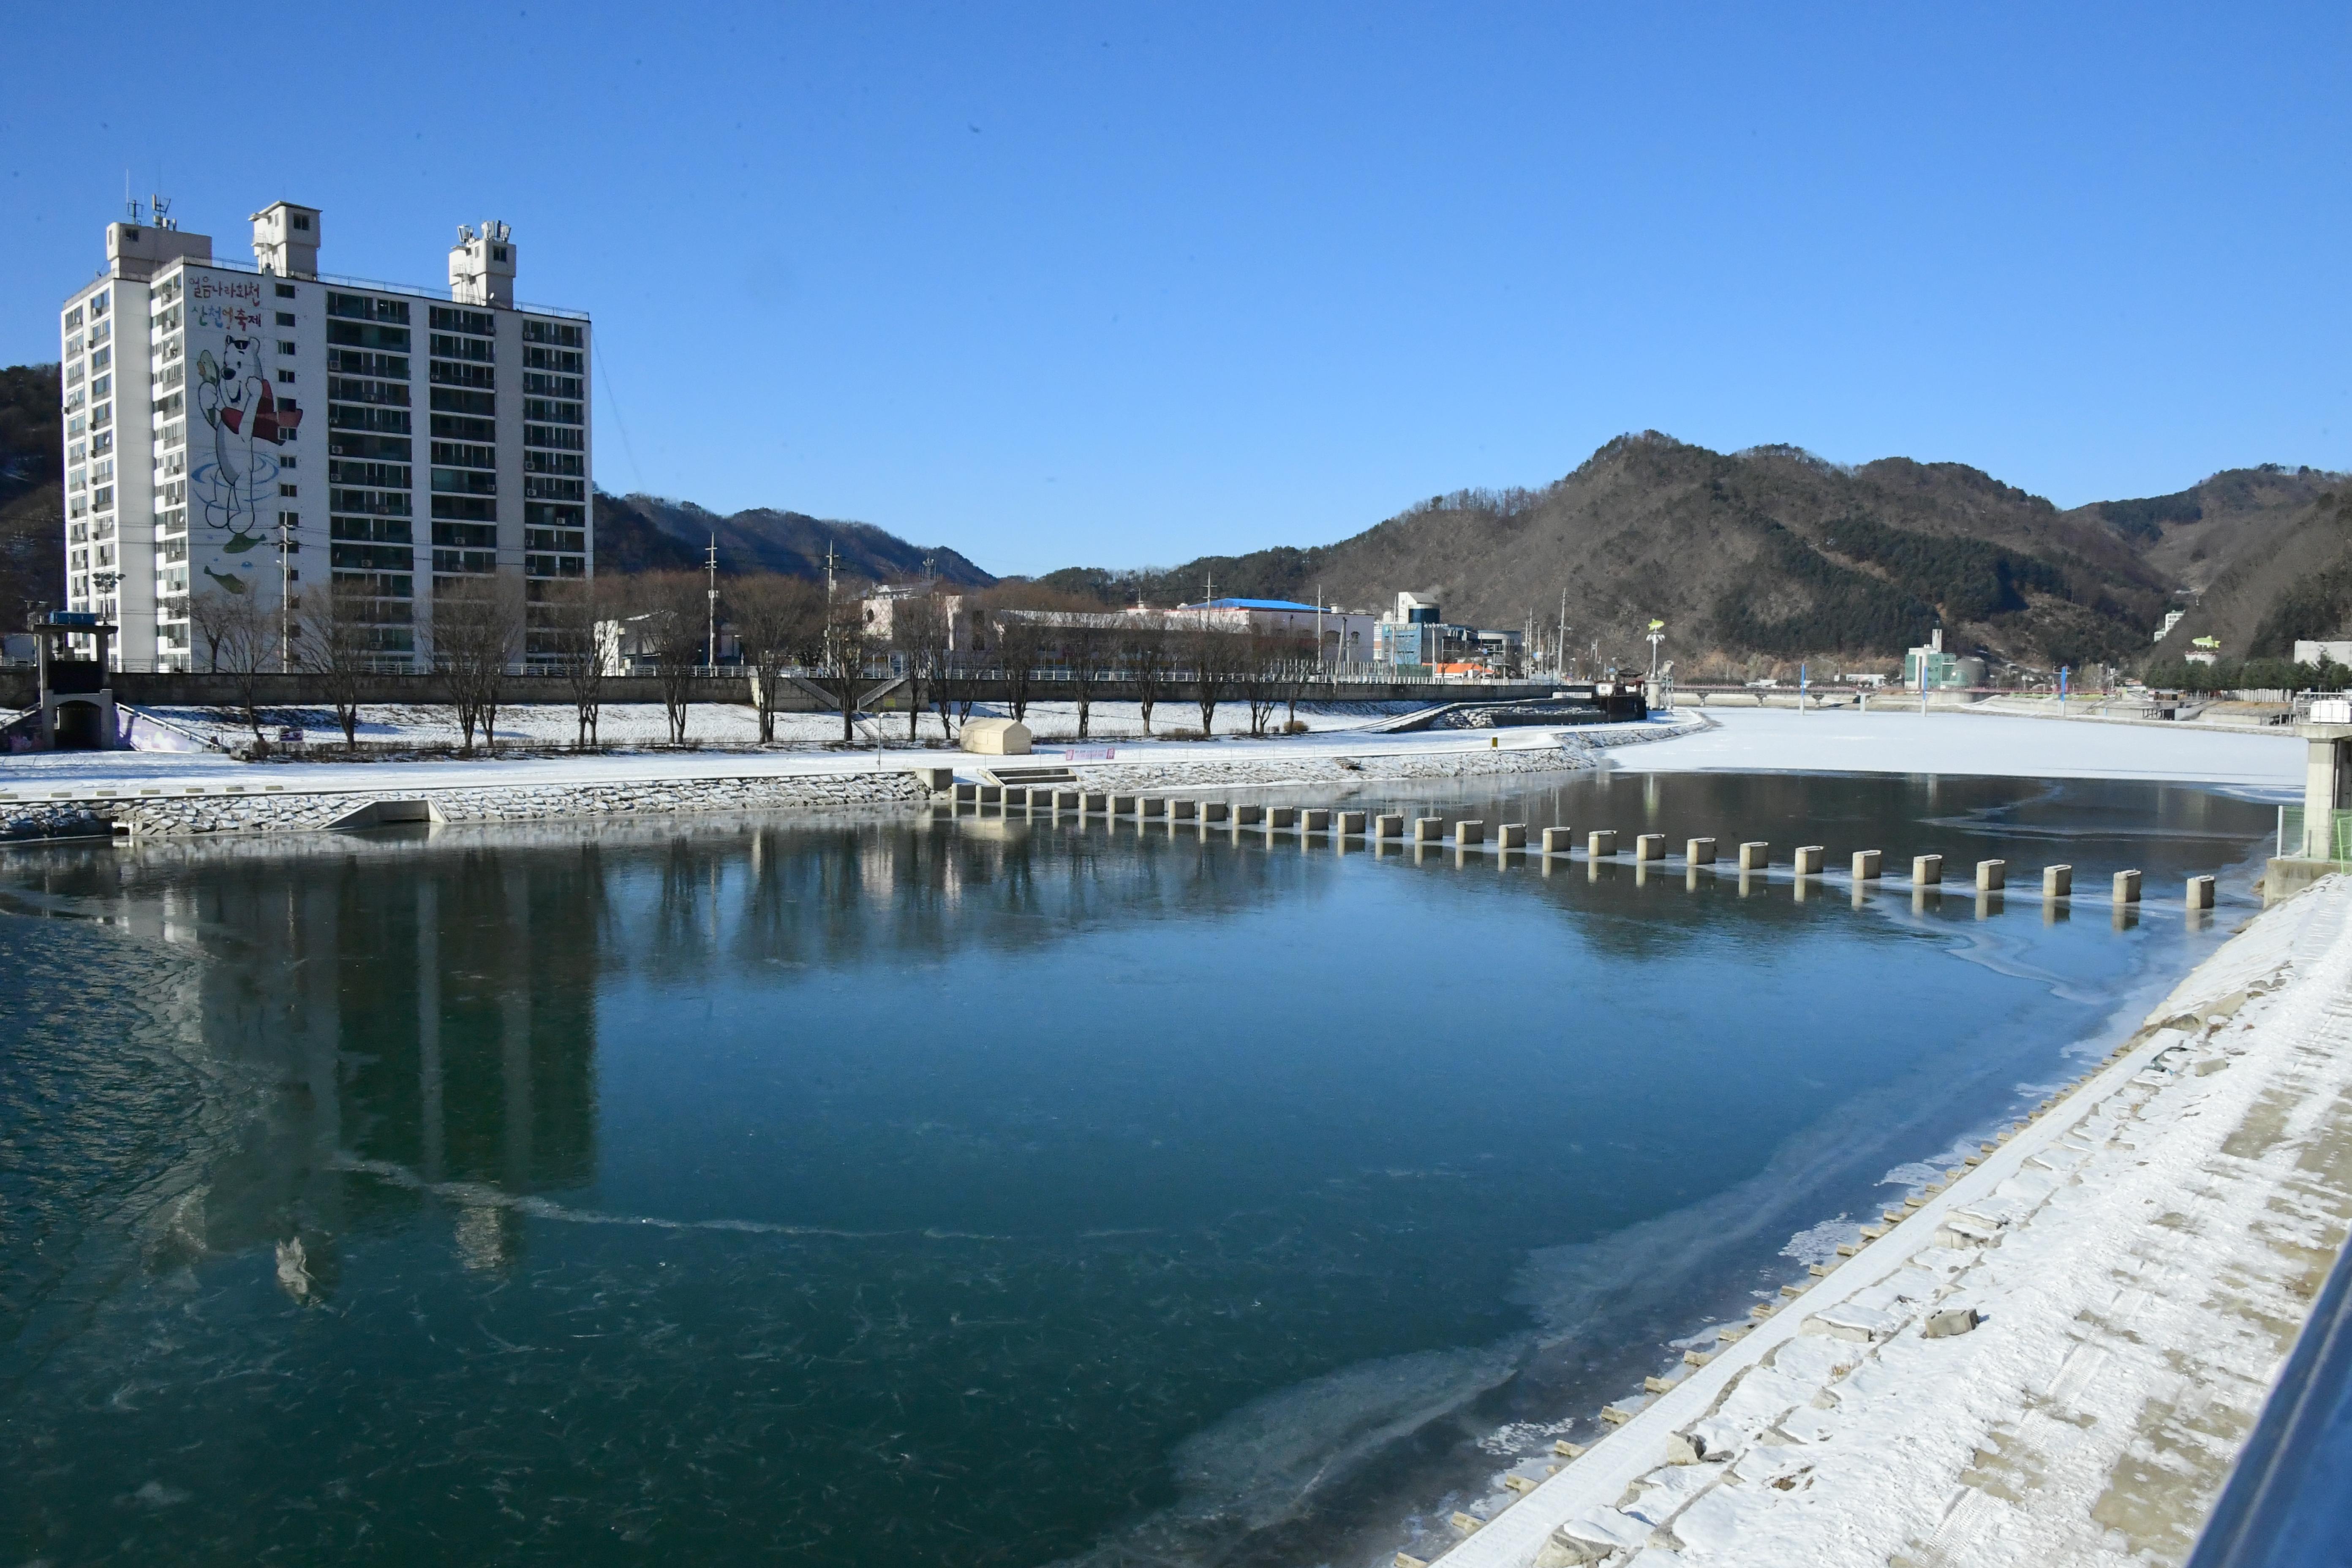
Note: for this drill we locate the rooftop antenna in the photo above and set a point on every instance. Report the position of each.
(160, 206)
(129, 201)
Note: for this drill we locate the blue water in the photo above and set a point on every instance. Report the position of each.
(964, 1191)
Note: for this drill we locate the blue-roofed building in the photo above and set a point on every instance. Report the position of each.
(1346, 635)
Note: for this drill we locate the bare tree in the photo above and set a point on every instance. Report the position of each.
(1216, 656)
(841, 668)
(1020, 652)
(1151, 665)
(245, 638)
(921, 631)
(576, 621)
(671, 608)
(1090, 642)
(215, 613)
(338, 649)
(477, 627)
(1259, 669)
(779, 620)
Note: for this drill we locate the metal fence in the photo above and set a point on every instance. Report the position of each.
(2289, 843)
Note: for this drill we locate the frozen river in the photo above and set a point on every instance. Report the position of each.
(966, 1190)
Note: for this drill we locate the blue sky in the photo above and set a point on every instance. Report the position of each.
(1114, 285)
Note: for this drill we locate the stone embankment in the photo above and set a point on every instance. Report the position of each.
(191, 810)
(2050, 1355)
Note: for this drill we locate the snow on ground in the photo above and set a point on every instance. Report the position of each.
(1883, 741)
(1737, 740)
(40, 772)
(2054, 1359)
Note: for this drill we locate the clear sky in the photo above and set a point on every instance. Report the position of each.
(1124, 284)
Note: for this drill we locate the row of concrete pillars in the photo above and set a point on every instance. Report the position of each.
(1465, 834)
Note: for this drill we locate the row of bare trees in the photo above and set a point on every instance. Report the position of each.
(1016, 644)
(1026, 649)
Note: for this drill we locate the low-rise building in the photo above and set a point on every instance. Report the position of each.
(1928, 667)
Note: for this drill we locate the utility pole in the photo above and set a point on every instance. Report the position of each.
(711, 606)
(1560, 654)
(1318, 628)
(285, 594)
(832, 560)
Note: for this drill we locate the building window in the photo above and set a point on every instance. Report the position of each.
(285, 319)
(286, 290)
(286, 375)
(498, 253)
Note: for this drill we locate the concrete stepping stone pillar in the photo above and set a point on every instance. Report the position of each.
(1808, 860)
(2200, 892)
(1428, 829)
(1388, 826)
(1511, 835)
(2127, 887)
(1865, 864)
(1600, 843)
(1472, 831)
(1558, 840)
(1649, 846)
(2057, 881)
(1755, 854)
(1926, 870)
(1699, 851)
(1991, 874)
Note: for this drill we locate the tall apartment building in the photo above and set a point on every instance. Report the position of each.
(263, 429)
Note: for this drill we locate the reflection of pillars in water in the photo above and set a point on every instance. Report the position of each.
(316, 1019)
(1988, 902)
(1650, 798)
(432, 1154)
(481, 1237)
(514, 1037)
(2055, 912)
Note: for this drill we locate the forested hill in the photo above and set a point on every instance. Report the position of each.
(1772, 555)
(32, 494)
(641, 532)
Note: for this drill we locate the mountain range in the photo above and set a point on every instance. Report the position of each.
(1759, 558)
(644, 533)
(1753, 559)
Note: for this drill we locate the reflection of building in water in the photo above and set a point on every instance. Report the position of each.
(432, 1013)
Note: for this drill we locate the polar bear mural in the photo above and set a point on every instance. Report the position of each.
(248, 421)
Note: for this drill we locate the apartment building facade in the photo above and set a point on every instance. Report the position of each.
(255, 431)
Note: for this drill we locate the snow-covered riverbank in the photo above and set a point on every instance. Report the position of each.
(1955, 743)
(2052, 1359)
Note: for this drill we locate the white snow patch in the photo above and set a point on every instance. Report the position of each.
(1819, 1242)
